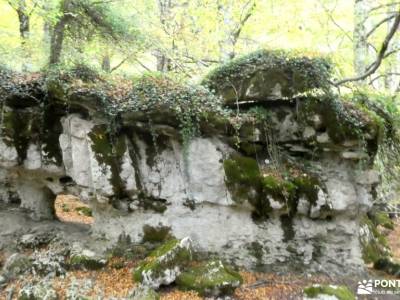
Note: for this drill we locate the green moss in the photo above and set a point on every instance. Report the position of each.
(382, 218)
(374, 244)
(210, 279)
(169, 255)
(86, 211)
(308, 186)
(246, 182)
(340, 292)
(89, 263)
(242, 177)
(341, 119)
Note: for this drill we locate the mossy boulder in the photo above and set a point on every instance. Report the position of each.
(210, 279)
(337, 292)
(268, 75)
(86, 259)
(143, 292)
(165, 263)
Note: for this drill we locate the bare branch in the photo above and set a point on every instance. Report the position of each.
(377, 25)
(329, 13)
(380, 57)
(383, 6)
(243, 20)
(384, 75)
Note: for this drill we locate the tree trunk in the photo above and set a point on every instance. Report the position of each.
(56, 42)
(57, 37)
(226, 45)
(23, 18)
(360, 46)
(393, 62)
(163, 61)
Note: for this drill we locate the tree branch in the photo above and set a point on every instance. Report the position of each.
(380, 57)
(377, 25)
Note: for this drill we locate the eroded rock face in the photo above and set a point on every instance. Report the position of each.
(283, 185)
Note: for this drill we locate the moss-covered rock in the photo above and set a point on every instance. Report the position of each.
(165, 263)
(86, 259)
(263, 188)
(242, 177)
(374, 244)
(143, 292)
(210, 279)
(318, 291)
(341, 120)
(268, 75)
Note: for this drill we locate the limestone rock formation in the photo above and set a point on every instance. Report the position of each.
(278, 181)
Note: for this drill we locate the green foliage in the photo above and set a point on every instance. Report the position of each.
(340, 292)
(382, 218)
(384, 109)
(311, 72)
(188, 103)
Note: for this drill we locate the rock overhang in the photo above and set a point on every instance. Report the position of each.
(161, 151)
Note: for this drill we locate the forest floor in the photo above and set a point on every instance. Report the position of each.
(115, 280)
